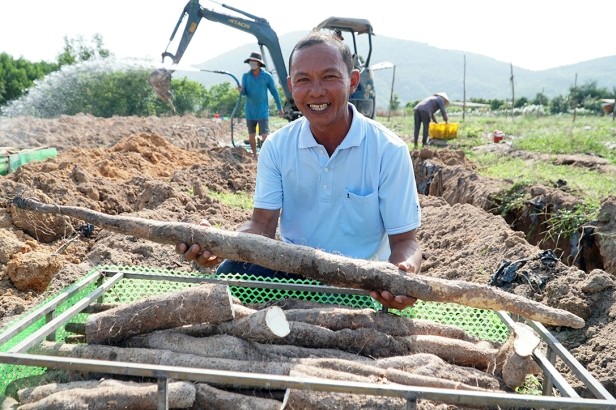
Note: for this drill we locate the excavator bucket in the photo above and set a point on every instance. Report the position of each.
(160, 80)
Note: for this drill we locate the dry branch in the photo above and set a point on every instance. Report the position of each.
(199, 304)
(315, 264)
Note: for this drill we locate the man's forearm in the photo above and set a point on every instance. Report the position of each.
(405, 249)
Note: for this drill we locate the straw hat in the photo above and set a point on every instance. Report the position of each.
(255, 57)
(443, 96)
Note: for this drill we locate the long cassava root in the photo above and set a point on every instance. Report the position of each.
(108, 394)
(199, 304)
(314, 264)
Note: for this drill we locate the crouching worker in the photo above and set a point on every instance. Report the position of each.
(345, 183)
(425, 111)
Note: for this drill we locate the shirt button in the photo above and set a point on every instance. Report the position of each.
(324, 186)
(325, 169)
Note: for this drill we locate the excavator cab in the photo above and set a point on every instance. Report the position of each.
(349, 30)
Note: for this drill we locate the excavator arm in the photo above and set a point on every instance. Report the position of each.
(257, 26)
(363, 98)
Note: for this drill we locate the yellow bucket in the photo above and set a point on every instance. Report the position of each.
(443, 131)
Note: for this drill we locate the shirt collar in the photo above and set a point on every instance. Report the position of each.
(354, 137)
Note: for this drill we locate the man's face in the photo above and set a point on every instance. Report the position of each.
(254, 65)
(320, 84)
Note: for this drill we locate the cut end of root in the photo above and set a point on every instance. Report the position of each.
(277, 321)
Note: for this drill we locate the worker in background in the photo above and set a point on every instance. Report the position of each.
(319, 171)
(425, 111)
(255, 85)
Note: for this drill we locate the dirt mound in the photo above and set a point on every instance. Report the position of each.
(529, 209)
(174, 169)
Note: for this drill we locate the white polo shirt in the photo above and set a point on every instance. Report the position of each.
(344, 204)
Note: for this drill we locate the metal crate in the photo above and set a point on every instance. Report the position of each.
(108, 284)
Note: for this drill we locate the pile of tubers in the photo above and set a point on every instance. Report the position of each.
(205, 327)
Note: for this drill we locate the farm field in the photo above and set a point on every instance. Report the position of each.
(474, 196)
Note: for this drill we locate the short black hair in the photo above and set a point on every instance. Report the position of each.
(321, 37)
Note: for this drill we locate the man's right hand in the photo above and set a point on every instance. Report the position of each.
(194, 253)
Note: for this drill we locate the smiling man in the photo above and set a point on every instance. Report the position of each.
(336, 180)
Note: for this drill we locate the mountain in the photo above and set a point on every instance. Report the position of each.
(422, 70)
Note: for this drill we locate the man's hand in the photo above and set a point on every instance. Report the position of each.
(391, 301)
(193, 252)
(406, 256)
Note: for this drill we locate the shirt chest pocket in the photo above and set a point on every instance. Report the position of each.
(360, 215)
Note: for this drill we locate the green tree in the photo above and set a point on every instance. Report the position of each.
(122, 93)
(495, 104)
(223, 98)
(558, 105)
(588, 96)
(394, 104)
(79, 49)
(189, 96)
(521, 102)
(16, 76)
(540, 99)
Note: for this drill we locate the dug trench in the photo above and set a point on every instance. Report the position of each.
(177, 169)
(529, 209)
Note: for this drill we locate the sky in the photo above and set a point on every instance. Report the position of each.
(532, 34)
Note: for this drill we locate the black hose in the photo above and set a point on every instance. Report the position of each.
(239, 98)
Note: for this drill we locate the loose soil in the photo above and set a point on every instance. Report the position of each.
(169, 169)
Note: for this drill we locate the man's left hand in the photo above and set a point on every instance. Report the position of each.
(391, 301)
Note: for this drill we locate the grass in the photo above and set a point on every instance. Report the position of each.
(241, 200)
(550, 135)
(581, 182)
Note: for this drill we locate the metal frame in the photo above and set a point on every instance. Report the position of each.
(17, 355)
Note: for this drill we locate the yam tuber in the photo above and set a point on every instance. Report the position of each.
(315, 264)
(339, 318)
(116, 395)
(199, 304)
(209, 397)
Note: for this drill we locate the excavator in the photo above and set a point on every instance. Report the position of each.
(363, 98)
